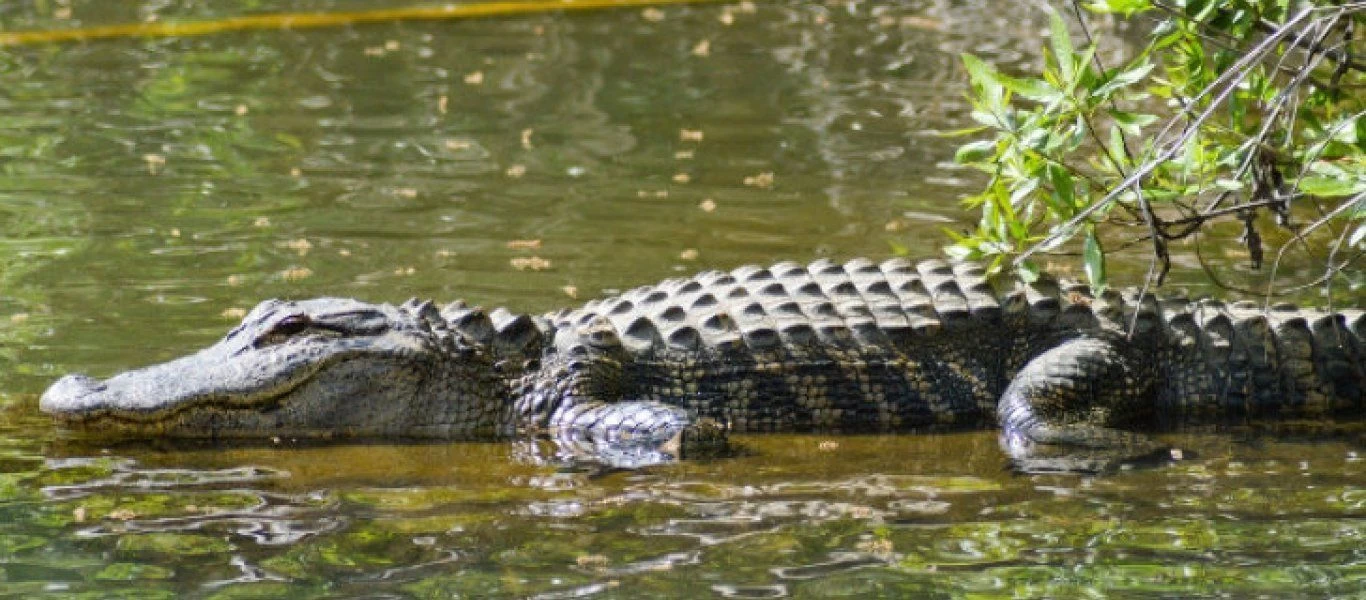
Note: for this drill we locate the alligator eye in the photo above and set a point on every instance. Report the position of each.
(291, 325)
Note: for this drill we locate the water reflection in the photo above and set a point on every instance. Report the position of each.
(793, 515)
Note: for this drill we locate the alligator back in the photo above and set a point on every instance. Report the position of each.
(860, 345)
(886, 345)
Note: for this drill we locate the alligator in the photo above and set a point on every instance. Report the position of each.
(660, 371)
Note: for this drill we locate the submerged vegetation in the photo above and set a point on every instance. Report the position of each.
(1246, 110)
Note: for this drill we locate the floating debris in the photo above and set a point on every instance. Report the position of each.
(653, 15)
(690, 135)
(296, 273)
(762, 180)
(441, 103)
(922, 23)
(526, 138)
(261, 222)
(475, 78)
(594, 561)
(233, 313)
(876, 546)
(682, 178)
(688, 254)
(702, 48)
(241, 110)
(523, 244)
(301, 246)
(516, 171)
(155, 162)
(122, 514)
(707, 205)
(530, 263)
(571, 290)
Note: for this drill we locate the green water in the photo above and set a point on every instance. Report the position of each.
(152, 189)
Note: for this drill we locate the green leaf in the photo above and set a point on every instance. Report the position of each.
(1116, 145)
(987, 79)
(1063, 190)
(1122, 7)
(1032, 88)
(1027, 271)
(1132, 123)
(988, 119)
(961, 252)
(975, 152)
(1021, 192)
(1123, 79)
(1094, 257)
(1062, 46)
(1035, 139)
(1329, 187)
(961, 132)
(1081, 63)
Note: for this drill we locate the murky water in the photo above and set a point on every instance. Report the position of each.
(152, 189)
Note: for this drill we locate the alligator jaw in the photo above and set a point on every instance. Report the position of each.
(148, 399)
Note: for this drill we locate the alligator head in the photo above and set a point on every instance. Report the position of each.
(327, 367)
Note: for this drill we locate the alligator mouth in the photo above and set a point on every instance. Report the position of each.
(144, 398)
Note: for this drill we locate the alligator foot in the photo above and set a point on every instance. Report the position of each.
(1059, 412)
(631, 435)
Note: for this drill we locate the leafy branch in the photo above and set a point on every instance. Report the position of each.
(1234, 109)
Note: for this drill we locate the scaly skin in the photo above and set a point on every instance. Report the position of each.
(639, 377)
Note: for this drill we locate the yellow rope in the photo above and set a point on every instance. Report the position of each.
(315, 20)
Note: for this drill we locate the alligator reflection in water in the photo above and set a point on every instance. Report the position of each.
(798, 516)
(667, 369)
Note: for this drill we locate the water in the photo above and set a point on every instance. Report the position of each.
(153, 189)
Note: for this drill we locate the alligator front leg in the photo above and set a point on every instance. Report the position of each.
(633, 434)
(1061, 411)
(578, 402)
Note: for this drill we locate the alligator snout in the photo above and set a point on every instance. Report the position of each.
(71, 394)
